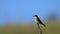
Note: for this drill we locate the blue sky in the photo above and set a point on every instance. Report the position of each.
(25, 9)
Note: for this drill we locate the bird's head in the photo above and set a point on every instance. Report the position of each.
(35, 16)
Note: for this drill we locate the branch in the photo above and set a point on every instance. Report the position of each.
(40, 31)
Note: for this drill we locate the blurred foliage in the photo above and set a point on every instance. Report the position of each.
(51, 28)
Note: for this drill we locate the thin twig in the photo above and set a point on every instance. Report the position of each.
(40, 31)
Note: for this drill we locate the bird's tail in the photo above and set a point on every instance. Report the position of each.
(44, 25)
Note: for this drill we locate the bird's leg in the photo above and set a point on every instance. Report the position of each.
(38, 26)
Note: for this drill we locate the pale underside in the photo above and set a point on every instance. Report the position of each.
(35, 19)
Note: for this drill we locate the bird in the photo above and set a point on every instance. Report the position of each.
(38, 21)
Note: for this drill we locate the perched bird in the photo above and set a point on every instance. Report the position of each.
(38, 21)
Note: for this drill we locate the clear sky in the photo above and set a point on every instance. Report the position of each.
(25, 9)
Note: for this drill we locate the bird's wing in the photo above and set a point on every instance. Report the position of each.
(41, 22)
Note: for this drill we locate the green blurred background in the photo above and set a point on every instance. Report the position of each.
(51, 28)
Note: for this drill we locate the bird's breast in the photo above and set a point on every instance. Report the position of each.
(35, 19)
